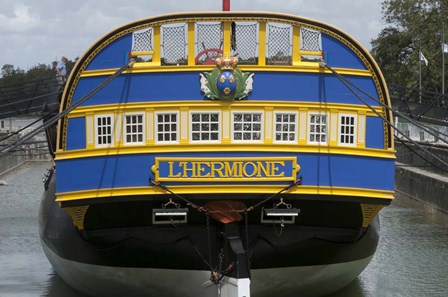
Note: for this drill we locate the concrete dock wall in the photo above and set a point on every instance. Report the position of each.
(417, 179)
(26, 152)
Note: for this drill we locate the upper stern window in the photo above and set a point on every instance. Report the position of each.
(142, 45)
(244, 42)
(174, 44)
(209, 42)
(279, 44)
(310, 45)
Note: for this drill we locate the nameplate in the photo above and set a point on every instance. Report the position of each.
(253, 169)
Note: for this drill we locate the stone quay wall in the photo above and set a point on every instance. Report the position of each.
(36, 151)
(422, 180)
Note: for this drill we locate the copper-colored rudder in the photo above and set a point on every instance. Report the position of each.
(225, 5)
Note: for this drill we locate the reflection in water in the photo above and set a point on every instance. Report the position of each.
(56, 287)
(411, 260)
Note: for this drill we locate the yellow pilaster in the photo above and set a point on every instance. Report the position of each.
(184, 139)
(361, 139)
(226, 123)
(333, 127)
(269, 122)
(90, 130)
(150, 126)
(303, 125)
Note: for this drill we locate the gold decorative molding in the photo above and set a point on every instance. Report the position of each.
(77, 214)
(369, 212)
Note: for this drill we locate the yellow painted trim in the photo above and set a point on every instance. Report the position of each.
(214, 189)
(180, 148)
(146, 53)
(137, 107)
(150, 67)
(261, 45)
(309, 53)
(243, 178)
(191, 43)
(302, 108)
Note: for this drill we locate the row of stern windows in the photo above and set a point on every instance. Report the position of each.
(204, 127)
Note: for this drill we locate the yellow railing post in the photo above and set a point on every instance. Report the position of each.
(157, 49)
(227, 33)
(295, 45)
(191, 39)
(262, 44)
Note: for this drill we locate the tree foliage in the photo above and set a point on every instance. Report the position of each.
(414, 26)
(11, 75)
(37, 82)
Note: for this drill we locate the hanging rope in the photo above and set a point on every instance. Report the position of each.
(245, 210)
(348, 84)
(29, 125)
(62, 114)
(395, 112)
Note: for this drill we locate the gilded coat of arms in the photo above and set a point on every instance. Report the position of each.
(226, 81)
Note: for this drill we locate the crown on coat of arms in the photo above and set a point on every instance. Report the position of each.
(226, 63)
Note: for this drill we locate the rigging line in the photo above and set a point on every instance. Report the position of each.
(396, 112)
(381, 116)
(18, 131)
(29, 81)
(29, 99)
(439, 122)
(247, 209)
(422, 157)
(29, 88)
(63, 113)
(8, 100)
(415, 122)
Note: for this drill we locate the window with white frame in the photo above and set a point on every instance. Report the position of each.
(167, 127)
(285, 127)
(247, 126)
(205, 126)
(347, 131)
(134, 129)
(318, 128)
(104, 130)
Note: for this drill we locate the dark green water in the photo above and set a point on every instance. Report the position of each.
(412, 258)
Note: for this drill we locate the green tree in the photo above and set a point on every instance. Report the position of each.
(414, 26)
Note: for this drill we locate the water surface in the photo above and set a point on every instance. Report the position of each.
(412, 258)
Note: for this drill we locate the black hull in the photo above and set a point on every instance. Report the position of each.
(186, 247)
